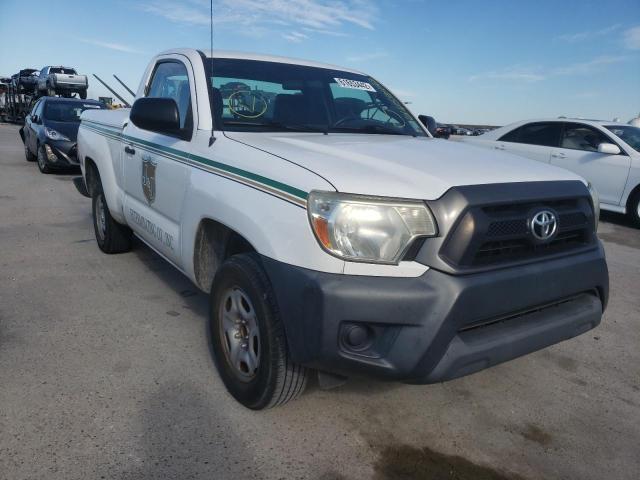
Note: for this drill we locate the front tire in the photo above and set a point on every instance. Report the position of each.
(43, 163)
(248, 339)
(111, 236)
(83, 94)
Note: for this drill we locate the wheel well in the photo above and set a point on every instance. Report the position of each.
(215, 243)
(92, 176)
(632, 196)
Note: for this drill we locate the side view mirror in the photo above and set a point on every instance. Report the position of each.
(429, 122)
(35, 119)
(158, 115)
(609, 149)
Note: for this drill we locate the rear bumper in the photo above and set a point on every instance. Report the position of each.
(438, 326)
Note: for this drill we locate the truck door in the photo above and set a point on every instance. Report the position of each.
(155, 165)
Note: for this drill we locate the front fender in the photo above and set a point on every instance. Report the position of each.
(275, 228)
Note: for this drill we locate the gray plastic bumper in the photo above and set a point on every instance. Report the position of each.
(438, 326)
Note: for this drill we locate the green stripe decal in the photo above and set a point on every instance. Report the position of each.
(114, 133)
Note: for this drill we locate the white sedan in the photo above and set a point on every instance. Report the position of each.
(607, 154)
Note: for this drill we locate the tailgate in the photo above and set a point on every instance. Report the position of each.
(66, 79)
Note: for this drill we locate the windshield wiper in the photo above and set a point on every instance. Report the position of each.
(279, 125)
(380, 129)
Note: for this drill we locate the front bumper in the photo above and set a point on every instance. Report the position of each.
(438, 326)
(62, 153)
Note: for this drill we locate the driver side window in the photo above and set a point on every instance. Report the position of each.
(582, 137)
(171, 80)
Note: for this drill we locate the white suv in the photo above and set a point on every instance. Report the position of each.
(607, 154)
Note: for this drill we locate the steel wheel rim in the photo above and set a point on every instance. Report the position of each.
(101, 220)
(240, 333)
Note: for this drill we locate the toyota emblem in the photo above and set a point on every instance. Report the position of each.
(544, 225)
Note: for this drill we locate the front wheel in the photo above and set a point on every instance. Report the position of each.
(111, 236)
(43, 163)
(248, 338)
(633, 209)
(83, 94)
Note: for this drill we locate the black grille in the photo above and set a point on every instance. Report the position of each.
(500, 234)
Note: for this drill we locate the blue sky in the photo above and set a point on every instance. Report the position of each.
(466, 61)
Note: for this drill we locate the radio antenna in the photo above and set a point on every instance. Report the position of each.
(210, 79)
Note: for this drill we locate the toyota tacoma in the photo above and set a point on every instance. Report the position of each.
(332, 232)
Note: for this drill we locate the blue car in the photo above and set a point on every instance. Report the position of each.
(50, 131)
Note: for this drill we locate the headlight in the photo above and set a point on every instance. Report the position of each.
(54, 134)
(368, 229)
(595, 198)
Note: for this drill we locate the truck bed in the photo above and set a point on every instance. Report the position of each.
(112, 118)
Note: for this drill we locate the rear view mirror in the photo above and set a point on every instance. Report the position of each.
(158, 115)
(429, 122)
(609, 149)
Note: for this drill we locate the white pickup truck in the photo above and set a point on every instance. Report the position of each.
(333, 233)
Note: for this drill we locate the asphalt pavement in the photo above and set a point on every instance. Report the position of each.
(105, 373)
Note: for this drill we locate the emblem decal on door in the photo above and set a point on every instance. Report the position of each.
(149, 178)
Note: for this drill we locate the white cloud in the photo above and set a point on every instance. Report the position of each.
(588, 35)
(522, 74)
(327, 17)
(295, 37)
(584, 68)
(517, 73)
(365, 57)
(632, 38)
(111, 46)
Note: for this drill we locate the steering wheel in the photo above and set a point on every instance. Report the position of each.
(392, 114)
(247, 104)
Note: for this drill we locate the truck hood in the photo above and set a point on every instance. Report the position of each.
(399, 166)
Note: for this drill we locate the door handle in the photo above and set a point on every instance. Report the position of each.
(129, 150)
(558, 155)
(499, 147)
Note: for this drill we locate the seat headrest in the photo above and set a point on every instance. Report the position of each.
(217, 106)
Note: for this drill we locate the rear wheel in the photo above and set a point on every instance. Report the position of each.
(248, 338)
(112, 237)
(43, 163)
(83, 94)
(633, 208)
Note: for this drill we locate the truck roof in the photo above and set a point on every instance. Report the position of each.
(257, 56)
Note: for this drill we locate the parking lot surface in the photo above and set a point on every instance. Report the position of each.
(105, 372)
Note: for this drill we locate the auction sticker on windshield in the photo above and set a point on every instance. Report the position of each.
(358, 85)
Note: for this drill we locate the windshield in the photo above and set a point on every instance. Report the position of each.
(258, 96)
(628, 133)
(68, 111)
(68, 71)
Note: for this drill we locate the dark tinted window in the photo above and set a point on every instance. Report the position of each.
(544, 134)
(68, 111)
(628, 133)
(582, 137)
(170, 80)
(512, 136)
(68, 71)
